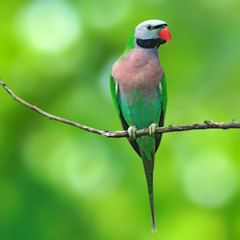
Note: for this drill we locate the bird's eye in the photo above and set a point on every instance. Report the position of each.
(149, 27)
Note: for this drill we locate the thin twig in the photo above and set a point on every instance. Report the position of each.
(119, 134)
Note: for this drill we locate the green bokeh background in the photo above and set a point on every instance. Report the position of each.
(58, 182)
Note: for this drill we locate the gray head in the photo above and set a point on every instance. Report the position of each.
(152, 33)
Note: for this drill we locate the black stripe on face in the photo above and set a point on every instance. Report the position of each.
(150, 43)
(159, 26)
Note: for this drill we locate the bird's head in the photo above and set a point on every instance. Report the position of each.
(152, 33)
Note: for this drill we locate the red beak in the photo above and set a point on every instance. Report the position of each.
(165, 35)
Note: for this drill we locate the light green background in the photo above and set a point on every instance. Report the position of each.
(58, 182)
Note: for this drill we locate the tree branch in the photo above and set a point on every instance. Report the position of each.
(119, 134)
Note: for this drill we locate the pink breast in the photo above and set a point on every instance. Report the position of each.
(139, 68)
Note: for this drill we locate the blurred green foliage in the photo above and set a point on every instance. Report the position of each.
(58, 182)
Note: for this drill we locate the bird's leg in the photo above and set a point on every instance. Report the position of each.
(152, 130)
(132, 132)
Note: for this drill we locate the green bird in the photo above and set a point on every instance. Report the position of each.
(138, 88)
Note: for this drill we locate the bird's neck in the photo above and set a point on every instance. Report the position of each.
(150, 50)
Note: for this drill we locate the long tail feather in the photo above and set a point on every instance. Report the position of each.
(148, 168)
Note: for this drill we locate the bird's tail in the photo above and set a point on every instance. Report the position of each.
(148, 168)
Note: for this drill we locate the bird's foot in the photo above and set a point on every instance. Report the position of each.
(132, 132)
(152, 130)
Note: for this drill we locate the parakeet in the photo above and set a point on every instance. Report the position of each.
(138, 88)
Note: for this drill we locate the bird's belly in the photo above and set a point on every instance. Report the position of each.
(141, 107)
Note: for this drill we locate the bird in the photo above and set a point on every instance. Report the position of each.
(139, 93)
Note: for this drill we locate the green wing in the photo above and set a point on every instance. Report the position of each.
(115, 93)
(115, 96)
(163, 94)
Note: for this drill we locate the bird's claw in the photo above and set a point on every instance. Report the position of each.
(132, 132)
(152, 130)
